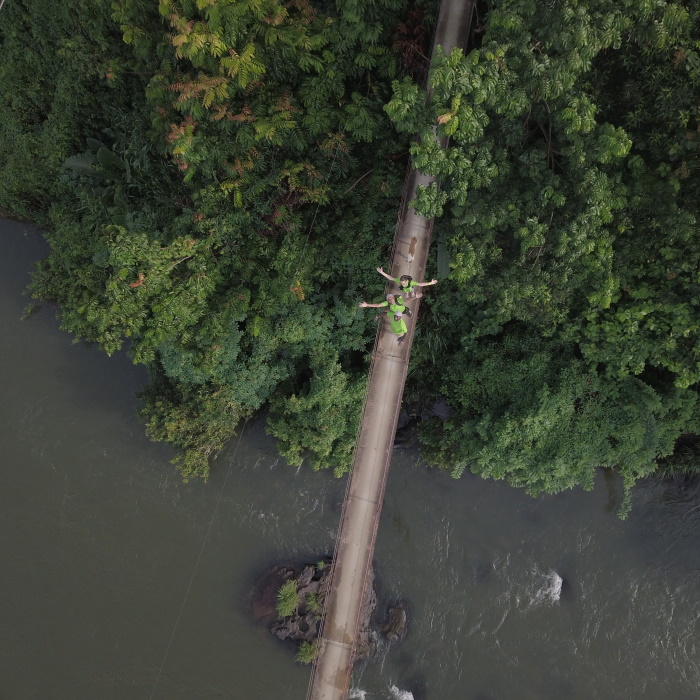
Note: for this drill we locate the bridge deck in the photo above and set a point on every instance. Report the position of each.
(330, 678)
(363, 503)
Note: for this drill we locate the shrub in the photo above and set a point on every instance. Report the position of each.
(287, 599)
(313, 603)
(307, 652)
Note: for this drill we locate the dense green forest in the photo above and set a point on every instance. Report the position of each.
(218, 180)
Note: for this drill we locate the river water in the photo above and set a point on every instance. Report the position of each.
(118, 582)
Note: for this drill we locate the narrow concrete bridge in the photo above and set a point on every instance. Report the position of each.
(352, 561)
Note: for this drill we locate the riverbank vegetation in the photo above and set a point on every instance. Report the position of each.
(218, 181)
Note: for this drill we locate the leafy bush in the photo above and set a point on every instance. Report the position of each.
(287, 599)
(313, 603)
(306, 652)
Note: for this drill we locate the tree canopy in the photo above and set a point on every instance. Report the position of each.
(218, 180)
(568, 207)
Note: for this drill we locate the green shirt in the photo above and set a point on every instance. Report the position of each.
(394, 308)
(398, 327)
(409, 288)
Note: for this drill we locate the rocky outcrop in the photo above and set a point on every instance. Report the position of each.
(415, 412)
(304, 625)
(397, 622)
(365, 644)
(263, 598)
(311, 590)
(407, 436)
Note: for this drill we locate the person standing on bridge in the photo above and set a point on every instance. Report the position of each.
(395, 304)
(398, 327)
(408, 286)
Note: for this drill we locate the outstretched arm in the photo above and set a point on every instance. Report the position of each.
(383, 274)
(365, 305)
(425, 284)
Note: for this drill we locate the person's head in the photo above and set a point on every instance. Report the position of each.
(390, 298)
(397, 316)
(405, 280)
